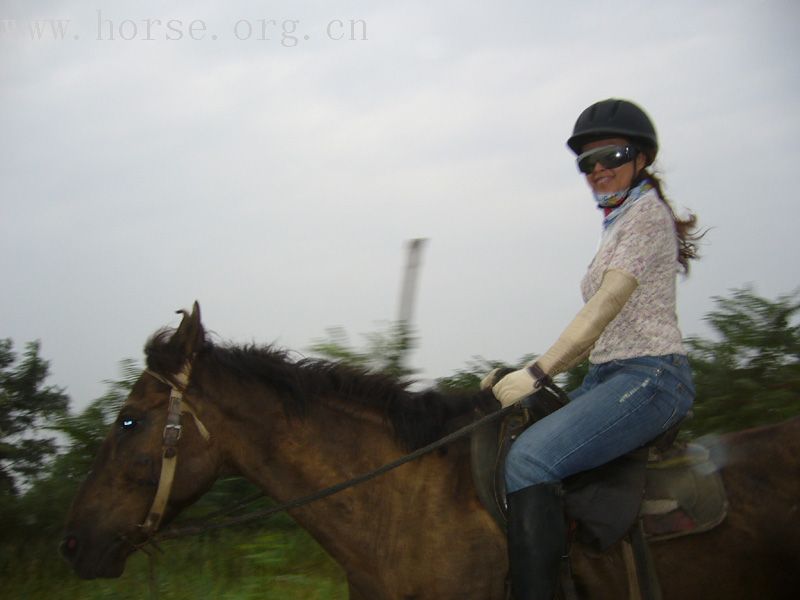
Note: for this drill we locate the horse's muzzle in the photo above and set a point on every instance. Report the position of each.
(89, 564)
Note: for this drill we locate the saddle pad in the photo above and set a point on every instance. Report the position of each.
(683, 495)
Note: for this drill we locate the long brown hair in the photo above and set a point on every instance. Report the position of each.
(685, 229)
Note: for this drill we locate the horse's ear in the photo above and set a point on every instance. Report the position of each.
(190, 334)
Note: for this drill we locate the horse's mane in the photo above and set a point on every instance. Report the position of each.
(417, 418)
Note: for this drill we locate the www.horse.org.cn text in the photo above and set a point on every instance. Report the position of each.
(283, 31)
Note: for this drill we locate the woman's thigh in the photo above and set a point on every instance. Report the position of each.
(616, 415)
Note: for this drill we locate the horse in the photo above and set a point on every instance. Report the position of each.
(418, 532)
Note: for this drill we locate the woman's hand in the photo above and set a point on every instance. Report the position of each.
(515, 386)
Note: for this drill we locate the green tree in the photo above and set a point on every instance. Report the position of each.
(39, 511)
(386, 351)
(749, 374)
(27, 405)
(86, 430)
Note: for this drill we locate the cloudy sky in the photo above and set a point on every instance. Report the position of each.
(270, 160)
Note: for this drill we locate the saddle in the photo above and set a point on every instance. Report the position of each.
(673, 489)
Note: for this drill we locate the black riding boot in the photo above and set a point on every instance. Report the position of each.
(537, 538)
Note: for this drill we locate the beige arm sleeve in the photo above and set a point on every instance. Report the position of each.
(577, 340)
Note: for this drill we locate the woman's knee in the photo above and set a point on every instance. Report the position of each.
(522, 469)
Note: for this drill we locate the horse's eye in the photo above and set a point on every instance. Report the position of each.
(128, 423)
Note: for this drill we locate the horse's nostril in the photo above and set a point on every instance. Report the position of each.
(69, 546)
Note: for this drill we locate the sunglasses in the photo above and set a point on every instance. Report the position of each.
(609, 157)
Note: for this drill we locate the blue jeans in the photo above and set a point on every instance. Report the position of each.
(620, 406)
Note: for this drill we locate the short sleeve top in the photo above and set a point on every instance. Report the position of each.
(641, 242)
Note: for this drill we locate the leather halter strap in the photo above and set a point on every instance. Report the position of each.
(172, 433)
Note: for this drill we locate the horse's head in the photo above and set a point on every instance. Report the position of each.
(132, 487)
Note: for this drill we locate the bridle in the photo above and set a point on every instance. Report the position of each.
(172, 433)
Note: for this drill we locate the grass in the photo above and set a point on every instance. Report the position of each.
(267, 564)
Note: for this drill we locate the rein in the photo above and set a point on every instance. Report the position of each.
(172, 433)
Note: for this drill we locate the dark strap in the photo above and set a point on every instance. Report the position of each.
(538, 374)
(649, 584)
(547, 399)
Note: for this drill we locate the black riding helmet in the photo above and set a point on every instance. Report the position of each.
(615, 118)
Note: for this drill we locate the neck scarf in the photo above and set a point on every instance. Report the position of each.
(614, 212)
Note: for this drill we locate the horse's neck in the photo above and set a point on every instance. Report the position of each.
(293, 457)
(382, 531)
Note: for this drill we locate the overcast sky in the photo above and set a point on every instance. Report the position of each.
(270, 161)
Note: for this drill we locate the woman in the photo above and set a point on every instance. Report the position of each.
(639, 383)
